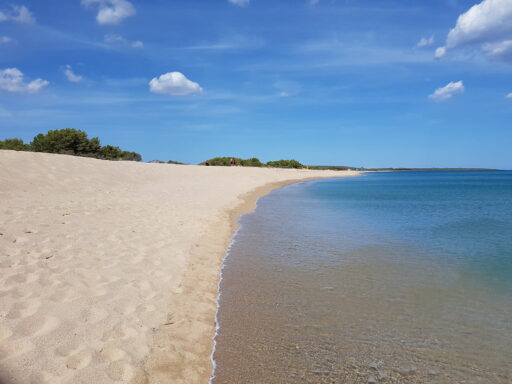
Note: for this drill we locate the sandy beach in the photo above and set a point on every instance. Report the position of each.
(109, 270)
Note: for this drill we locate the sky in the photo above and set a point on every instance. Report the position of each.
(385, 83)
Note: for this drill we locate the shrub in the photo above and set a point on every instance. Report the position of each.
(226, 161)
(254, 162)
(70, 141)
(67, 141)
(285, 164)
(220, 161)
(14, 144)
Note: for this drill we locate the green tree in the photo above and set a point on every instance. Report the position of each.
(226, 161)
(285, 164)
(14, 144)
(130, 156)
(253, 162)
(66, 141)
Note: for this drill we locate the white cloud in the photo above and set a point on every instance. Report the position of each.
(484, 24)
(448, 91)
(111, 11)
(174, 84)
(11, 80)
(72, 76)
(287, 88)
(18, 13)
(5, 39)
(137, 44)
(501, 50)
(426, 41)
(440, 52)
(509, 96)
(240, 3)
(115, 39)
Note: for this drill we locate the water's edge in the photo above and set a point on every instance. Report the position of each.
(246, 207)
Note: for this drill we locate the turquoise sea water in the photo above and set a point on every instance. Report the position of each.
(388, 277)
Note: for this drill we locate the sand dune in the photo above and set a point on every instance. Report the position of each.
(109, 270)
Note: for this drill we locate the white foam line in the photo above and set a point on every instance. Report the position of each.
(217, 324)
(223, 265)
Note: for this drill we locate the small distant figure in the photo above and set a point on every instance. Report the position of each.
(233, 161)
(207, 164)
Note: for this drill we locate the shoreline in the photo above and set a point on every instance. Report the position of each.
(155, 363)
(112, 268)
(248, 206)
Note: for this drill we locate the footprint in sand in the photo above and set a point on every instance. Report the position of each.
(37, 325)
(110, 354)
(63, 295)
(68, 348)
(21, 310)
(4, 332)
(94, 315)
(120, 371)
(121, 332)
(79, 360)
(14, 348)
(44, 378)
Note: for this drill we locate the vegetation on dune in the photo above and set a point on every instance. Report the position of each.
(252, 162)
(221, 161)
(285, 164)
(227, 161)
(14, 144)
(70, 141)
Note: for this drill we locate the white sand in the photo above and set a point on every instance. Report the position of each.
(109, 270)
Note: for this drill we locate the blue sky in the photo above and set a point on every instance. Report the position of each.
(325, 82)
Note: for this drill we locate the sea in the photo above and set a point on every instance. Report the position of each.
(389, 277)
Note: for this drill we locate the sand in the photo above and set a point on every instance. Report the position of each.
(109, 270)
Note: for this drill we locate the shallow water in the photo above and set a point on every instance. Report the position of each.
(389, 277)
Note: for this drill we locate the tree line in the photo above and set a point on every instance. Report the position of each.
(70, 141)
(252, 162)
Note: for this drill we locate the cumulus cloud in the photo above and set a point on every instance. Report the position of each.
(12, 80)
(18, 13)
(440, 52)
(5, 39)
(116, 39)
(72, 76)
(240, 3)
(501, 50)
(485, 25)
(174, 84)
(448, 91)
(111, 11)
(426, 41)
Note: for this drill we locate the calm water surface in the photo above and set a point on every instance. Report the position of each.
(384, 278)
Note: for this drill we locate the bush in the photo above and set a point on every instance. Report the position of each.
(254, 162)
(14, 144)
(220, 161)
(226, 161)
(67, 141)
(285, 164)
(70, 141)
